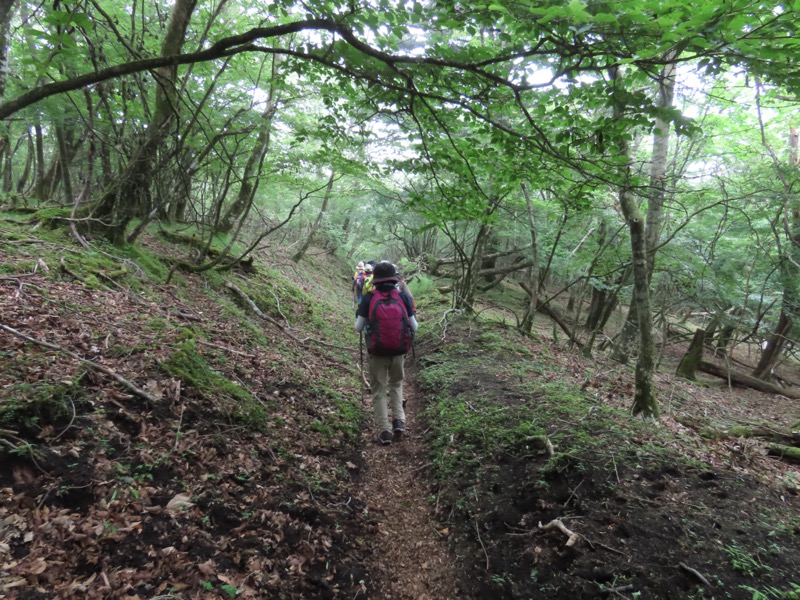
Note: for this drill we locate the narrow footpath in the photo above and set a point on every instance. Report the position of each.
(409, 558)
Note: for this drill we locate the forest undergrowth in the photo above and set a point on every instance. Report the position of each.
(210, 439)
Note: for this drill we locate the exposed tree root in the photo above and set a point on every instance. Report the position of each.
(696, 574)
(557, 524)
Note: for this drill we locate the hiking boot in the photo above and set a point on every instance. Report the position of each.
(399, 427)
(385, 438)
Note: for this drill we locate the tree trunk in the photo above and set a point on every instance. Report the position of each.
(694, 355)
(26, 172)
(64, 164)
(655, 207)
(644, 400)
(533, 271)
(599, 295)
(298, 256)
(8, 172)
(252, 169)
(129, 196)
(6, 12)
(775, 345)
(790, 271)
(467, 285)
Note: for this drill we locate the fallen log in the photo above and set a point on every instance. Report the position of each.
(746, 380)
(785, 453)
(774, 434)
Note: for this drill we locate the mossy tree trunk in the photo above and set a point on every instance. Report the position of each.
(655, 205)
(644, 401)
(130, 196)
(694, 355)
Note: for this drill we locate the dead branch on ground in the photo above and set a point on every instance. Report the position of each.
(696, 574)
(118, 378)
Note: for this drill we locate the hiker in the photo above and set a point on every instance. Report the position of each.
(358, 283)
(386, 315)
(366, 284)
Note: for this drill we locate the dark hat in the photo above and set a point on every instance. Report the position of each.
(384, 271)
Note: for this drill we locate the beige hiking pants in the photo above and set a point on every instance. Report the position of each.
(386, 381)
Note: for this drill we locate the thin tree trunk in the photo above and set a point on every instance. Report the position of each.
(298, 256)
(40, 171)
(790, 268)
(26, 172)
(129, 196)
(252, 169)
(8, 172)
(775, 345)
(655, 206)
(533, 271)
(64, 161)
(644, 401)
(467, 284)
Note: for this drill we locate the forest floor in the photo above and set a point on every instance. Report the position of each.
(167, 442)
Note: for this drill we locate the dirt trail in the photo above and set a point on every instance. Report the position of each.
(409, 558)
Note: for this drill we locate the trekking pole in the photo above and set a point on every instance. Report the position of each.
(361, 356)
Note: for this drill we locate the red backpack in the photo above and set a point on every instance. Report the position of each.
(389, 331)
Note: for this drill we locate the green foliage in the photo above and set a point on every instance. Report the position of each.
(234, 401)
(30, 407)
(744, 562)
(426, 295)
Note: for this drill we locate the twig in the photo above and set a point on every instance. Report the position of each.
(482, 546)
(121, 380)
(696, 573)
(617, 590)
(610, 549)
(443, 321)
(178, 431)
(278, 307)
(615, 466)
(67, 271)
(315, 341)
(258, 311)
(557, 524)
(231, 350)
(255, 308)
(71, 421)
(573, 492)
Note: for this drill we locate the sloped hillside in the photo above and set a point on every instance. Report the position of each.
(210, 438)
(160, 439)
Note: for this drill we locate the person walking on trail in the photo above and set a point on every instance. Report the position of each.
(358, 283)
(387, 317)
(366, 284)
